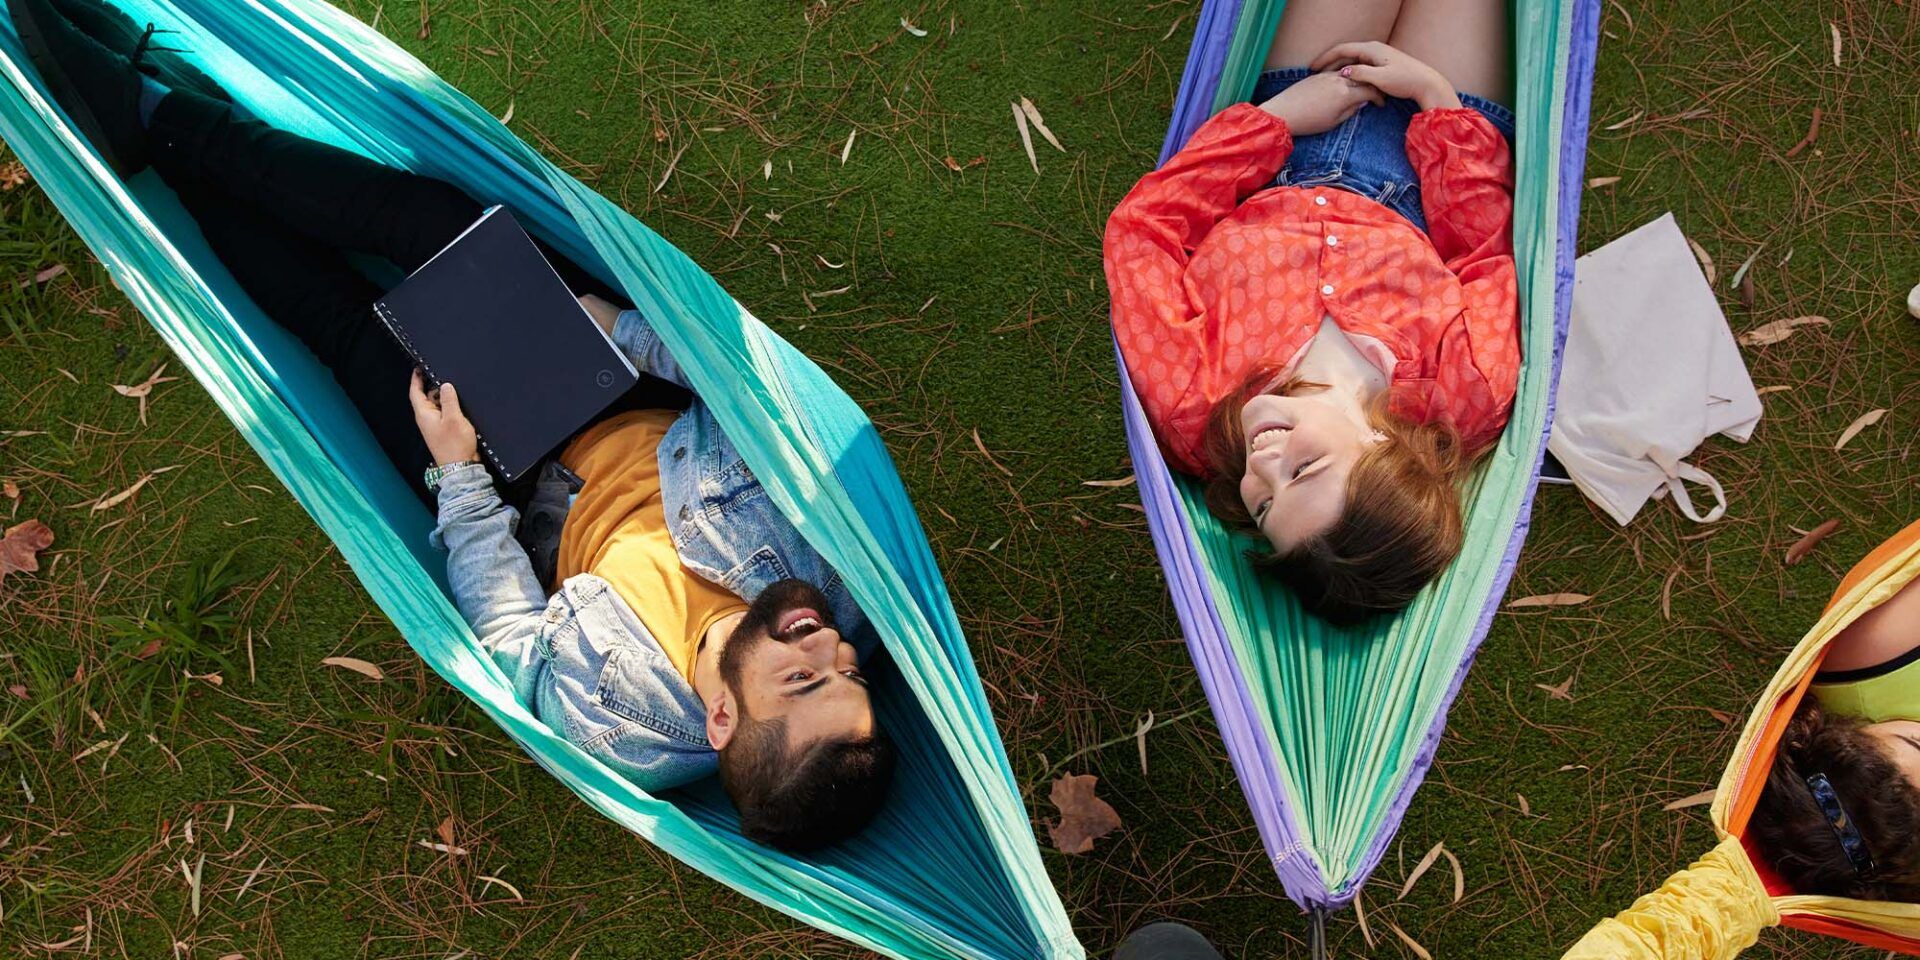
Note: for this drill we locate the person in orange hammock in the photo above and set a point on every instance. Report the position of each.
(1315, 297)
(1840, 812)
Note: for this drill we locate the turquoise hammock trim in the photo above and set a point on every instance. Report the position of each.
(1330, 730)
(951, 869)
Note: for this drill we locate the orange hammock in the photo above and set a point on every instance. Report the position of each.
(1719, 905)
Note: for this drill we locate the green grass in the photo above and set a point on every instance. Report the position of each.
(976, 305)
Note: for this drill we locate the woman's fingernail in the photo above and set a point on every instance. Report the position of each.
(1347, 72)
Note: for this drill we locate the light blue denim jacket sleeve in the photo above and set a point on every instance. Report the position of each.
(581, 659)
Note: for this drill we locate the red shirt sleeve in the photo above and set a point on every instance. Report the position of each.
(1466, 188)
(1149, 239)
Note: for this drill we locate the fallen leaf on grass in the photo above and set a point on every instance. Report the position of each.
(908, 26)
(1412, 944)
(1700, 799)
(848, 149)
(44, 275)
(142, 389)
(1420, 870)
(448, 849)
(357, 666)
(18, 690)
(1598, 182)
(10, 490)
(1866, 420)
(1526, 809)
(445, 830)
(109, 502)
(1813, 131)
(1706, 261)
(1126, 481)
(1558, 691)
(1774, 388)
(152, 647)
(1805, 545)
(507, 117)
(1835, 27)
(1026, 139)
(1084, 817)
(1745, 265)
(1628, 121)
(1778, 330)
(20, 548)
(1033, 115)
(12, 175)
(483, 878)
(1550, 600)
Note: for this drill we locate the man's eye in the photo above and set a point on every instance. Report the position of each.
(856, 676)
(797, 676)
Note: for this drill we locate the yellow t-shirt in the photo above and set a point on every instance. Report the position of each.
(617, 530)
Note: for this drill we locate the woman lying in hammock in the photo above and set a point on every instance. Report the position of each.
(1315, 297)
(693, 628)
(1840, 814)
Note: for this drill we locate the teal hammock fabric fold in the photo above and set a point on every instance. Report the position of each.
(951, 868)
(1331, 730)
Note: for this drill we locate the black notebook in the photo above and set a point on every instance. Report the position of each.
(489, 315)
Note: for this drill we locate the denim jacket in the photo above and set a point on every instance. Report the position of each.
(581, 659)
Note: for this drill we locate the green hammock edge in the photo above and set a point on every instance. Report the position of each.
(156, 277)
(1297, 649)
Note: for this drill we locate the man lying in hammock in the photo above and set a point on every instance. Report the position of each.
(1315, 297)
(649, 656)
(1840, 814)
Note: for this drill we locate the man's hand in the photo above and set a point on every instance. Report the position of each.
(603, 313)
(1391, 71)
(1320, 102)
(448, 432)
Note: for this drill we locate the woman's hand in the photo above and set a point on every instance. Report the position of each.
(604, 313)
(1392, 71)
(448, 432)
(1320, 102)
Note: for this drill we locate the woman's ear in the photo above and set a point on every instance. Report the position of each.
(722, 720)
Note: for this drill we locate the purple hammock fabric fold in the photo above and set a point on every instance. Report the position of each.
(1178, 550)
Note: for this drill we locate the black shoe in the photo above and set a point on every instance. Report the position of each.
(118, 32)
(99, 89)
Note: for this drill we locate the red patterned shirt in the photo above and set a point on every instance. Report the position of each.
(1214, 278)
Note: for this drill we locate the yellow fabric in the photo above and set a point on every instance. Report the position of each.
(1710, 911)
(1718, 906)
(1890, 696)
(617, 531)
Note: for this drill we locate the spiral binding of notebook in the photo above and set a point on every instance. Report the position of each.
(432, 379)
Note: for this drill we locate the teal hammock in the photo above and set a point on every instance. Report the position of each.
(1330, 730)
(950, 869)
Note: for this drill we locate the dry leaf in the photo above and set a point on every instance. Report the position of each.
(10, 490)
(507, 117)
(1745, 265)
(1746, 292)
(1126, 481)
(1699, 799)
(1836, 41)
(20, 548)
(1033, 114)
(1778, 330)
(1706, 262)
(908, 26)
(1598, 182)
(18, 690)
(142, 389)
(1853, 429)
(445, 830)
(1459, 875)
(1026, 139)
(356, 665)
(1813, 131)
(445, 848)
(12, 175)
(1775, 388)
(1805, 544)
(109, 502)
(848, 149)
(1559, 691)
(951, 164)
(1420, 870)
(1412, 944)
(483, 878)
(1615, 126)
(1526, 809)
(149, 649)
(1550, 600)
(1084, 817)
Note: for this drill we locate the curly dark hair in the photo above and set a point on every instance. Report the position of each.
(804, 799)
(1796, 838)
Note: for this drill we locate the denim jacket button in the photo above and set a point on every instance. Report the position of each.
(684, 512)
(680, 454)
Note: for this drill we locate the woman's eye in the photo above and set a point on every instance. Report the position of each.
(856, 676)
(1260, 515)
(1302, 468)
(797, 676)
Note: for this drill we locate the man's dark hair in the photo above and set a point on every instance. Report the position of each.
(1797, 838)
(806, 799)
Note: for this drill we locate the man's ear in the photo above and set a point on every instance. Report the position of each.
(722, 720)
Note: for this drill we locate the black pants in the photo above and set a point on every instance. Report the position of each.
(281, 211)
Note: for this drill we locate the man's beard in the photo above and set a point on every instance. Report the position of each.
(761, 621)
